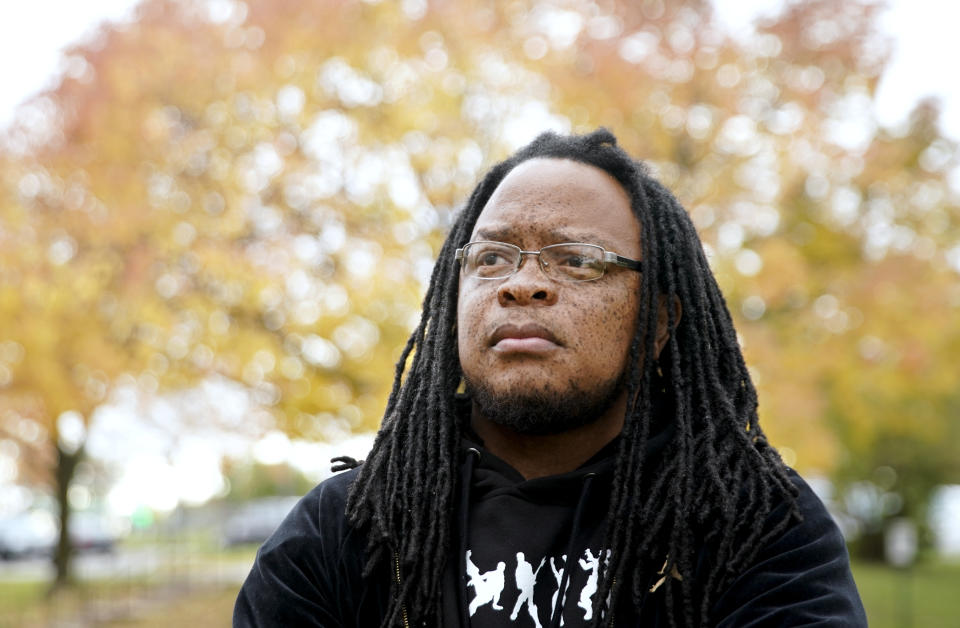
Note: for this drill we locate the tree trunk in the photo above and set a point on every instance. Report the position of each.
(66, 465)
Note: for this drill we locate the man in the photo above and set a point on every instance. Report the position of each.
(576, 400)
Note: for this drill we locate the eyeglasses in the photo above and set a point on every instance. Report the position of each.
(569, 261)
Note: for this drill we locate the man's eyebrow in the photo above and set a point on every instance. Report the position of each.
(500, 235)
(554, 236)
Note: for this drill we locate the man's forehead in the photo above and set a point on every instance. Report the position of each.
(540, 176)
(548, 201)
(505, 232)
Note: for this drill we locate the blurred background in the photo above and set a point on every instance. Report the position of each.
(218, 218)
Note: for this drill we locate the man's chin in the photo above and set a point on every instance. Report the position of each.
(543, 412)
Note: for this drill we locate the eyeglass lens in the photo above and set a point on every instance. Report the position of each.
(492, 260)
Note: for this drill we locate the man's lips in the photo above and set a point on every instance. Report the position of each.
(525, 338)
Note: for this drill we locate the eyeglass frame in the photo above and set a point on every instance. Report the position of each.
(608, 257)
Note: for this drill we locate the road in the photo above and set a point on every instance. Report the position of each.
(131, 563)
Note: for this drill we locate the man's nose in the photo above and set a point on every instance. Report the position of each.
(528, 286)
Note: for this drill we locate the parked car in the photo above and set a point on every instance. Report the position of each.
(34, 533)
(255, 521)
(27, 535)
(92, 532)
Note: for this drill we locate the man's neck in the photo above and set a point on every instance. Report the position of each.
(537, 456)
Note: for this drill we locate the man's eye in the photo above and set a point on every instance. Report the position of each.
(575, 261)
(491, 258)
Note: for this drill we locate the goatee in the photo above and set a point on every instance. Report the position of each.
(543, 412)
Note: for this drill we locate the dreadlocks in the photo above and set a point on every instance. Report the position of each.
(717, 480)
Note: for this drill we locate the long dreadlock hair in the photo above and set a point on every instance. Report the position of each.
(716, 483)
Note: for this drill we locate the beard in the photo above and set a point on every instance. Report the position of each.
(544, 412)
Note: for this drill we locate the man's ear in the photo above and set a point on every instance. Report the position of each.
(663, 320)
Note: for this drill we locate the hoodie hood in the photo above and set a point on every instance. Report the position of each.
(492, 477)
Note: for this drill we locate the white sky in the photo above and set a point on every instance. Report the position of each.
(32, 36)
(33, 33)
(924, 46)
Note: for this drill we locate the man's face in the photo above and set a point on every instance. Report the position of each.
(529, 340)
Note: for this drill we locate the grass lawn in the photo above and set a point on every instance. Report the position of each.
(17, 598)
(27, 607)
(207, 609)
(928, 596)
(195, 588)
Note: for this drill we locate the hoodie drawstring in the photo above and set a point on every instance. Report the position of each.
(473, 455)
(557, 616)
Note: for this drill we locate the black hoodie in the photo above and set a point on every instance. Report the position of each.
(513, 554)
(524, 539)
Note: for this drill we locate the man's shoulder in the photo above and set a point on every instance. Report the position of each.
(320, 515)
(326, 503)
(801, 571)
(310, 571)
(332, 493)
(808, 523)
(815, 518)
